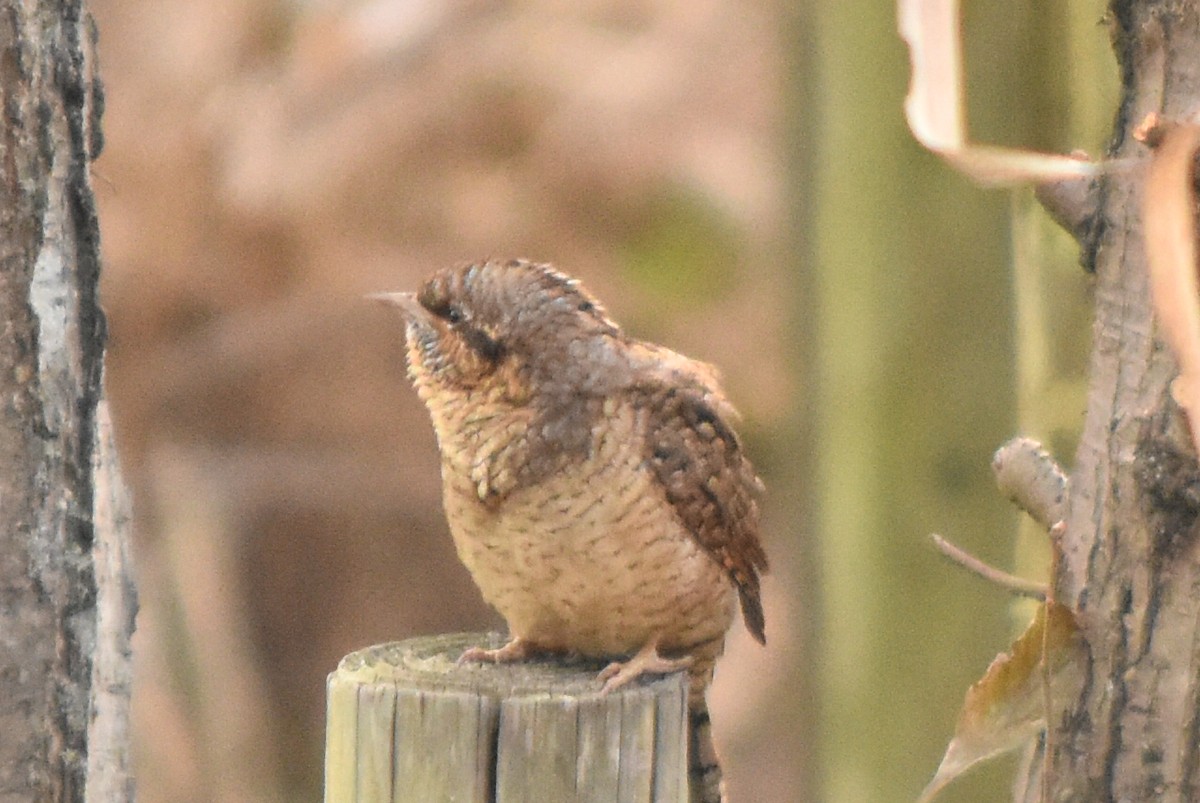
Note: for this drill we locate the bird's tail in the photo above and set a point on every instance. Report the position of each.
(705, 778)
(704, 770)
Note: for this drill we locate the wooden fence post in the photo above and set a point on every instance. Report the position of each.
(406, 724)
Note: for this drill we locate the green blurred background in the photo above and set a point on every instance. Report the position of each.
(735, 180)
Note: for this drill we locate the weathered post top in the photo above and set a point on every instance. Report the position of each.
(407, 724)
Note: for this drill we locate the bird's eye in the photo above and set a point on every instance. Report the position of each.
(435, 299)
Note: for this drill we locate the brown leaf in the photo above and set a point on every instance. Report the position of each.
(934, 106)
(1007, 706)
(1170, 231)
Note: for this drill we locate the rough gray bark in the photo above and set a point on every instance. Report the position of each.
(50, 385)
(1131, 566)
(109, 774)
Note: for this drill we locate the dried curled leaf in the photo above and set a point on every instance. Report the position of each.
(1007, 706)
(934, 106)
(1170, 228)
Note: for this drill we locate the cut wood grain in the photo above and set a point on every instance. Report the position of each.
(407, 724)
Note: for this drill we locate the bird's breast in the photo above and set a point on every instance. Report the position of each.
(590, 559)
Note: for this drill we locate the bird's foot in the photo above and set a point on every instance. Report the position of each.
(516, 650)
(647, 661)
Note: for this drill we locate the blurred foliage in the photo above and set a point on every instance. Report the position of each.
(917, 377)
(683, 251)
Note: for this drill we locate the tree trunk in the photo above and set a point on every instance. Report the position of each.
(50, 385)
(1131, 562)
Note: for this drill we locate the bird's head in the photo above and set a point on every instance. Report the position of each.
(506, 329)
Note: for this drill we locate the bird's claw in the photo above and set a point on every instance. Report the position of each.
(516, 650)
(647, 661)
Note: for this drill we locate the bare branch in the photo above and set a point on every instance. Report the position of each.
(1031, 479)
(1071, 203)
(1010, 582)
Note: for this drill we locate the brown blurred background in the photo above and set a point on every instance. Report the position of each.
(732, 178)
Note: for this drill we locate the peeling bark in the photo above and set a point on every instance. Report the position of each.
(1131, 562)
(50, 384)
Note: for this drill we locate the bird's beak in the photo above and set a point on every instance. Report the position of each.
(407, 303)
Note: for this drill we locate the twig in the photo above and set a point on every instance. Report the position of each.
(1029, 477)
(1048, 705)
(1072, 203)
(1017, 585)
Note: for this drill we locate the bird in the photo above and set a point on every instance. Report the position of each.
(593, 483)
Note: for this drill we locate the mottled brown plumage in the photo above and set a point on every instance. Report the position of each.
(593, 484)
